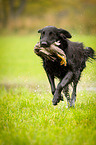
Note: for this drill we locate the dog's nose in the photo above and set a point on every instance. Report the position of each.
(44, 44)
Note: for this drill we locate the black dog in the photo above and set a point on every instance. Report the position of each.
(76, 62)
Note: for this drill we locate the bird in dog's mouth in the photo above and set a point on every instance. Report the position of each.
(49, 52)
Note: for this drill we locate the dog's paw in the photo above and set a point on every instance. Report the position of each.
(57, 98)
(55, 101)
(72, 103)
(61, 98)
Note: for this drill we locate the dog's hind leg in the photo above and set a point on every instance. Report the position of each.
(73, 97)
(67, 95)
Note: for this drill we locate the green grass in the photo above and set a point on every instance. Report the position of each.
(17, 59)
(27, 116)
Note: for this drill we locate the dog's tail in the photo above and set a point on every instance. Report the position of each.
(90, 53)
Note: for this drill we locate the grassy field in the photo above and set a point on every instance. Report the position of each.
(27, 116)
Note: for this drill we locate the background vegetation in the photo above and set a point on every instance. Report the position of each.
(27, 116)
(24, 16)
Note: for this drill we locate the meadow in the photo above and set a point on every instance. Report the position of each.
(27, 116)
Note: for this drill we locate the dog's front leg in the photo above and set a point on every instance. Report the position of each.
(65, 81)
(51, 81)
(52, 84)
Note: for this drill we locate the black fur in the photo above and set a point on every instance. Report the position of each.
(76, 62)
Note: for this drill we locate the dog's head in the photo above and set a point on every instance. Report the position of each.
(51, 34)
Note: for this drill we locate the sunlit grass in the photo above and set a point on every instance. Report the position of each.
(30, 118)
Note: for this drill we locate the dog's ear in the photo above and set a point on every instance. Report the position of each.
(66, 33)
(39, 31)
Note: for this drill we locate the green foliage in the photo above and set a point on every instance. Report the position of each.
(27, 115)
(26, 15)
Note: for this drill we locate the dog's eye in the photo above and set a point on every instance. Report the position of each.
(50, 34)
(43, 33)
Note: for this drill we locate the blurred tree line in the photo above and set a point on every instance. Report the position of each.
(28, 15)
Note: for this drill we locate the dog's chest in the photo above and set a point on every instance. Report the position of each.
(55, 69)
